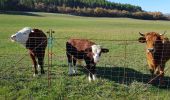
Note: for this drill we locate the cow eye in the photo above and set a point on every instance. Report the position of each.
(100, 54)
(24, 33)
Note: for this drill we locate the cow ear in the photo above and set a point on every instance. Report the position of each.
(32, 31)
(164, 39)
(104, 50)
(35, 30)
(88, 49)
(142, 39)
(141, 34)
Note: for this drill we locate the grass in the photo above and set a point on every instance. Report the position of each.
(120, 75)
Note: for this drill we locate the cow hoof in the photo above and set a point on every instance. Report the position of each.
(94, 77)
(74, 72)
(70, 74)
(38, 66)
(90, 79)
(162, 83)
(42, 72)
(35, 75)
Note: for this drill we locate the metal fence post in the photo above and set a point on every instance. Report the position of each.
(50, 47)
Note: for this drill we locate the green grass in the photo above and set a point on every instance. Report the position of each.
(121, 76)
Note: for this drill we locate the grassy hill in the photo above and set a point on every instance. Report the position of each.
(120, 75)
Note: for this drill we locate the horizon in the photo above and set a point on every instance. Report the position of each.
(159, 5)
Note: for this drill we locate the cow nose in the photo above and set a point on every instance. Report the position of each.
(150, 49)
(13, 37)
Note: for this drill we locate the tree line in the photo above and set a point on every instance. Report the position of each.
(31, 4)
(96, 8)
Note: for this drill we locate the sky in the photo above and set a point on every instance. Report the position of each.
(149, 5)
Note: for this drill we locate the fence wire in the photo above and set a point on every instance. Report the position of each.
(125, 63)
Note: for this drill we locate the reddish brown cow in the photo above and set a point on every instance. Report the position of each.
(83, 49)
(35, 41)
(157, 52)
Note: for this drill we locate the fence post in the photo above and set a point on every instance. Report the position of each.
(50, 47)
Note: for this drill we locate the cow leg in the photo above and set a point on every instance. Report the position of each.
(88, 66)
(91, 69)
(152, 70)
(161, 78)
(34, 64)
(75, 66)
(161, 72)
(90, 77)
(70, 70)
(41, 61)
(152, 73)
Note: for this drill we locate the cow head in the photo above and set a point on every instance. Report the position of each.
(153, 40)
(97, 50)
(22, 35)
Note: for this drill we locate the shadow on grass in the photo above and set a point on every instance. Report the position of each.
(123, 75)
(20, 13)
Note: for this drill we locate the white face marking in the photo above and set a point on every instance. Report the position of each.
(96, 49)
(22, 35)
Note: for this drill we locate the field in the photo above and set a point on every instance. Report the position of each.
(122, 73)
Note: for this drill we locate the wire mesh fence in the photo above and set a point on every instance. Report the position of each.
(125, 63)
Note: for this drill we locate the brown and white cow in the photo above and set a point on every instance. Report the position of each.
(83, 49)
(157, 52)
(35, 41)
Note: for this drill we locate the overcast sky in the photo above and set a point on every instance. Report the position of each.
(149, 5)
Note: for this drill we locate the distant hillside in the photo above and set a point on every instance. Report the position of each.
(96, 8)
(49, 4)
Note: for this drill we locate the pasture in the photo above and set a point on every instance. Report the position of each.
(122, 73)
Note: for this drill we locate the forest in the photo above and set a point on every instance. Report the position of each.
(92, 8)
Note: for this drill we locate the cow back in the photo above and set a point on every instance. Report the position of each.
(37, 39)
(81, 44)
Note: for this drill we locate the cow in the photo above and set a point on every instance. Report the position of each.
(157, 53)
(86, 50)
(35, 41)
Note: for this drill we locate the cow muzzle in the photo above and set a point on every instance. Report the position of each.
(13, 38)
(151, 50)
(96, 58)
